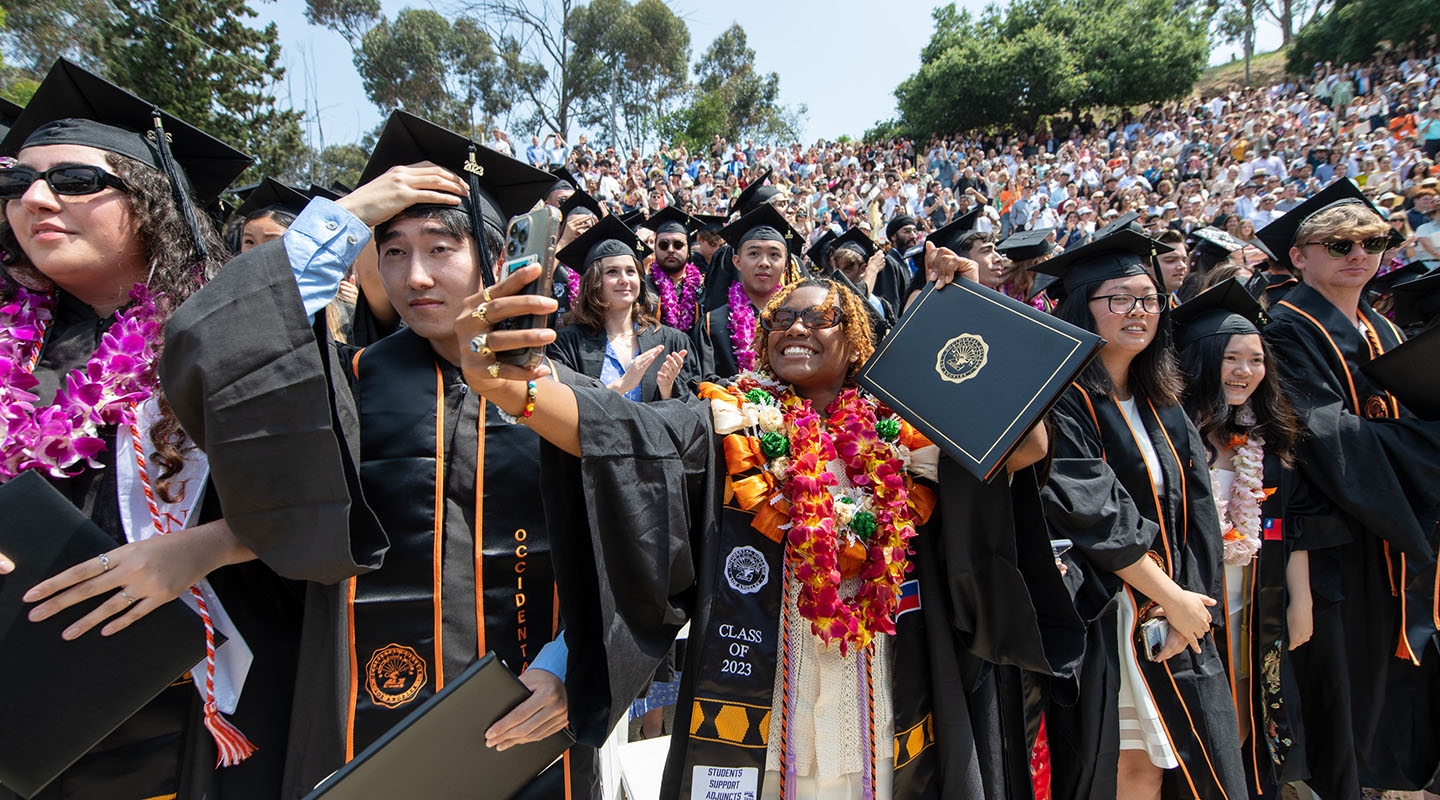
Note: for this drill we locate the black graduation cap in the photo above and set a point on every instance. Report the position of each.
(1119, 255)
(672, 220)
(271, 194)
(73, 106)
(501, 186)
(1416, 299)
(565, 179)
(853, 239)
(1225, 309)
(1279, 236)
(710, 222)
(953, 234)
(1217, 241)
(1026, 245)
(608, 237)
(821, 249)
(1130, 219)
(581, 201)
(762, 223)
(634, 219)
(754, 195)
(329, 193)
(1040, 284)
(1384, 284)
(9, 112)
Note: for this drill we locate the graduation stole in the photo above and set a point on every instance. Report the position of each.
(397, 615)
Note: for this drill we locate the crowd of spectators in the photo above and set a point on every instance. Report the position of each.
(1236, 160)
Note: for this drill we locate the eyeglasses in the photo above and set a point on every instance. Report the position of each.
(814, 317)
(1341, 248)
(668, 244)
(1125, 303)
(77, 179)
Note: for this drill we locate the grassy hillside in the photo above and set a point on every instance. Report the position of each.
(1265, 69)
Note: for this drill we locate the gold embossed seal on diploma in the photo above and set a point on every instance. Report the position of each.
(962, 358)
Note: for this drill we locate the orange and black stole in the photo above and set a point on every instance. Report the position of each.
(468, 569)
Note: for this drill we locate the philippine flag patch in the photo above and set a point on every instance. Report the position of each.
(1274, 530)
(909, 598)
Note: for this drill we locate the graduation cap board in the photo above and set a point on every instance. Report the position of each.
(954, 234)
(63, 697)
(332, 192)
(271, 194)
(756, 194)
(608, 237)
(970, 347)
(438, 750)
(1225, 309)
(1409, 373)
(500, 186)
(763, 223)
(710, 222)
(634, 219)
(1119, 255)
(1218, 241)
(1129, 220)
(1417, 299)
(1027, 245)
(581, 202)
(565, 179)
(73, 106)
(821, 249)
(856, 240)
(672, 220)
(9, 112)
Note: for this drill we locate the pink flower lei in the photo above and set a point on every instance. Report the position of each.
(62, 439)
(742, 327)
(1242, 508)
(677, 312)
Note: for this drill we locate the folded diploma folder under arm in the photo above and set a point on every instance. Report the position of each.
(439, 750)
(61, 698)
(975, 370)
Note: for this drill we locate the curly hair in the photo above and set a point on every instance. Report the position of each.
(1275, 418)
(175, 273)
(588, 310)
(853, 318)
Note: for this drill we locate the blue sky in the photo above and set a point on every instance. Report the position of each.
(841, 58)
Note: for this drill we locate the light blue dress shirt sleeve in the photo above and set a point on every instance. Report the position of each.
(322, 243)
(553, 657)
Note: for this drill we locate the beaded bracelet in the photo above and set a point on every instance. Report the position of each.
(531, 390)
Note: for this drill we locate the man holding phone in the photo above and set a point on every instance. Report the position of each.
(409, 502)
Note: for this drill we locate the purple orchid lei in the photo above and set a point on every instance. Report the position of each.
(120, 375)
(742, 327)
(572, 285)
(677, 312)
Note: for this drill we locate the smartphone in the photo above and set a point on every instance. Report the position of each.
(530, 239)
(1152, 636)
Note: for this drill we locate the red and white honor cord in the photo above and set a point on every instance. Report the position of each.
(231, 744)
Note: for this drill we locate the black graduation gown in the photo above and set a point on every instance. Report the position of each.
(164, 748)
(894, 277)
(366, 496)
(719, 275)
(711, 339)
(585, 353)
(645, 548)
(1370, 710)
(1100, 496)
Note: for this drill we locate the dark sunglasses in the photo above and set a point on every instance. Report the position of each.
(671, 245)
(814, 317)
(78, 179)
(1375, 245)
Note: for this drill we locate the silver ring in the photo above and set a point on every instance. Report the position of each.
(129, 601)
(105, 561)
(477, 345)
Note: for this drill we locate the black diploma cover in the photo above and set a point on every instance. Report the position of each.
(439, 750)
(1409, 373)
(974, 370)
(61, 698)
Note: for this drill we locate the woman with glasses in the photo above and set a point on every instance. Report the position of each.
(1369, 674)
(103, 238)
(840, 617)
(1128, 486)
(612, 331)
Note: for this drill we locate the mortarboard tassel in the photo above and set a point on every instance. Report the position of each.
(177, 187)
(473, 171)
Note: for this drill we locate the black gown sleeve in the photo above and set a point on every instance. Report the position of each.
(626, 520)
(259, 388)
(1383, 473)
(566, 348)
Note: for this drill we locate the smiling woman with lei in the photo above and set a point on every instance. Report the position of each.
(854, 632)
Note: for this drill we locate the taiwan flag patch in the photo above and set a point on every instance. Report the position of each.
(909, 598)
(1273, 530)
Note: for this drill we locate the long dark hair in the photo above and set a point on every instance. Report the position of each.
(589, 309)
(1153, 372)
(1275, 418)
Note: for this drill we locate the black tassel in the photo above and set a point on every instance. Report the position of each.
(477, 219)
(177, 186)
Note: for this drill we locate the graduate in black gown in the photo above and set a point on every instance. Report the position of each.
(669, 519)
(1129, 487)
(1368, 677)
(855, 259)
(674, 280)
(722, 271)
(102, 231)
(408, 501)
(615, 309)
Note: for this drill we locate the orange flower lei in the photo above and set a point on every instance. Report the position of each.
(825, 542)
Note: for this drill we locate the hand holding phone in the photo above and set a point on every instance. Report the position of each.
(530, 239)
